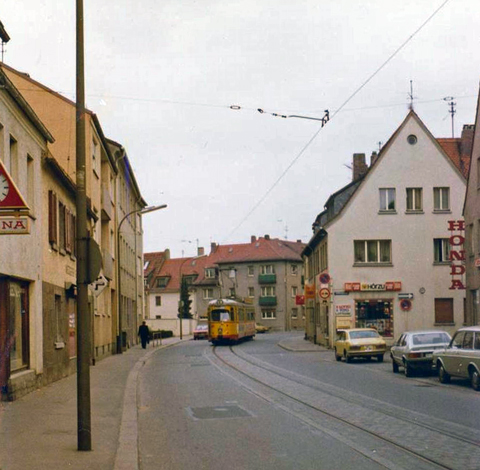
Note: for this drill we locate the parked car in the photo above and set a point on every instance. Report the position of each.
(359, 342)
(259, 328)
(461, 358)
(200, 332)
(414, 349)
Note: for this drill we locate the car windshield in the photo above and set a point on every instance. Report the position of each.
(220, 314)
(363, 334)
(430, 338)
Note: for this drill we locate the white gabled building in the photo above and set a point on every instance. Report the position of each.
(385, 237)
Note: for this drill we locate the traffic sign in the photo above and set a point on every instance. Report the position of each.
(324, 293)
(324, 278)
(406, 305)
(405, 296)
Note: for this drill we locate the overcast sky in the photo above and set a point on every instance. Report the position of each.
(162, 75)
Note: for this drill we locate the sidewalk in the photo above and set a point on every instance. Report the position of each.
(39, 431)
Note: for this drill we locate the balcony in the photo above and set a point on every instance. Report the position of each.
(267, 278)
(268, 301)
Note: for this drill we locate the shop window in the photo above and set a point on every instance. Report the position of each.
(18, 326)
(376, 314)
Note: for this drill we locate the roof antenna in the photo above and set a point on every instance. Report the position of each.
(410, 96)
(452, 111)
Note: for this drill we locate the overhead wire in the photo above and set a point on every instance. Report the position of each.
(315, 135)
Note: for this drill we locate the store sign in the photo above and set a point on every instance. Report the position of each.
(457, 254)
(299, 300)
(343, 310)
(372, 287)
(14, 225)
(309, 291)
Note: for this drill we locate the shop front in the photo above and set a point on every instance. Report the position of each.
(14, 330)
(375, 313)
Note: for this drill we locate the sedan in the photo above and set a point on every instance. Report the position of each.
(200, 332)
(461, 358)
(413, 350)
(259, 328)
(359, 342)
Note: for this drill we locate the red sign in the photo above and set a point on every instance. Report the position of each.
(324, 293)
(299, 300)
(10, 197)
(324, 278)
(457, 253)
(406, 305)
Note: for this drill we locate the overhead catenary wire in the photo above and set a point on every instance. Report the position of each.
(315, 135)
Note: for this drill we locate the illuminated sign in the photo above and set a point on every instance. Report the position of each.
(373, 287)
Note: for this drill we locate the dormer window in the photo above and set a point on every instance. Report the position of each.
(210, 273)
(162, 281)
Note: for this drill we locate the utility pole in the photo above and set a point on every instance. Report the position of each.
(84, 433)
(452, 112)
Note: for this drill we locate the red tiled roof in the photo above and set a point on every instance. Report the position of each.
(178, 267)
(453, 148)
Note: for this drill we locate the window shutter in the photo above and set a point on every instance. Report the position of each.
(443, 310)
(52, 217)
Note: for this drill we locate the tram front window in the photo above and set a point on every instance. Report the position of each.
(220, 314)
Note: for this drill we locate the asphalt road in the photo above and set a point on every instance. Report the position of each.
(259, 406)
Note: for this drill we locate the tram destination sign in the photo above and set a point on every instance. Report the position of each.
(14, 225)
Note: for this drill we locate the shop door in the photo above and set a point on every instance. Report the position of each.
(4, 343)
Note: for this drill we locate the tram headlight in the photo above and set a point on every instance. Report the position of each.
(220, 330)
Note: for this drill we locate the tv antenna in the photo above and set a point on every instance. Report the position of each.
(410, 96)
(452, 112)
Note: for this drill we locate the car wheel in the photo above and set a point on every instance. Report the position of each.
(394, 366)
(337, 357)
(380, 358)
(475, 380)
(347, 357)
(407, 369)
(443, 376)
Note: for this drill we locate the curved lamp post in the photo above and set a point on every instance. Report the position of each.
(145, 210)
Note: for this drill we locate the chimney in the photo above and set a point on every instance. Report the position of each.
(200, 251)
(359, 166)
(466, 141)
(167, 253)
(299, 241)
(253, 239)
(213, 247)
(373, 158)
(267, 237)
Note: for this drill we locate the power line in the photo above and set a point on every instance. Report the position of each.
(310, 141)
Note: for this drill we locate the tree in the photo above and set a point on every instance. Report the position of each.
(184, 308)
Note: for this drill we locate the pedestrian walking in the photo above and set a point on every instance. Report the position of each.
(144, 334)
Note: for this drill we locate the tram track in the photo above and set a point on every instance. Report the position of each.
(439, 448)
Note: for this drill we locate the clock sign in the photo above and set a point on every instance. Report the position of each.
(10, 197)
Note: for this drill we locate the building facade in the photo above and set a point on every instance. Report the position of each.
(267, 272)
(472, 225)
(381, 253)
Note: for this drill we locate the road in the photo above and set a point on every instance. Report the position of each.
(258, 406)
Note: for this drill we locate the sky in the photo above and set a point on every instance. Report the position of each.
(162, 77)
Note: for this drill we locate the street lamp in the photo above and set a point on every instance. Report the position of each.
(145, 210)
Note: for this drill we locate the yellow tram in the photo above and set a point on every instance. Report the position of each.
(230, 320)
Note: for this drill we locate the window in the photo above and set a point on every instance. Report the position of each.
(52, 218)
(210, 273)
(414, 199)
(231, 292)
(250, 271)
(443, 310)
(267, 269)
(293, 269)
(412, 139)
(61, 226)
(251, 292)
(208, 293)
(269, 314)
(387, 200)
(441, 199)
(441, 249)
(268, 291)
(162, 281)
(377, 314)
(30, 183)
(372, 251)
(158, 300)
(95, 157)
(294, 312)
(14, 160)
(294, 291)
